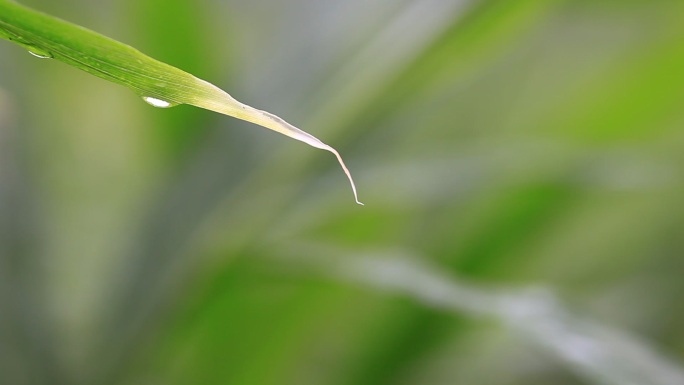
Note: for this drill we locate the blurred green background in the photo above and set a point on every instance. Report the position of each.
(506, 145)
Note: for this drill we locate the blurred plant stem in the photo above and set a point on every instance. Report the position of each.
(597, 352)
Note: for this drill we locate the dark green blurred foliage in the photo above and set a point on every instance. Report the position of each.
(507, 143)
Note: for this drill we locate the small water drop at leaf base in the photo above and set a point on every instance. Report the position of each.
(39, 53)
(157, 102)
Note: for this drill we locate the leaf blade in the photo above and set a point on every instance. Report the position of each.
(124, 65)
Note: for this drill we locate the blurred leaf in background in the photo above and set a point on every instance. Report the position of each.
(506, 145)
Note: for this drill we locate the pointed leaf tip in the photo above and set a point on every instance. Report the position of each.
(230, 106)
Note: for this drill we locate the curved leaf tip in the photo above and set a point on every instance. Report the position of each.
(230, 106)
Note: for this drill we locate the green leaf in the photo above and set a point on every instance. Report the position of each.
(159, 84)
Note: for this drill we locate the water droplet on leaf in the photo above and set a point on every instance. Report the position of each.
(157, 102)
(39, 53)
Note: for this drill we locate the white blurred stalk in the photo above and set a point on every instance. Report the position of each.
(597, 352)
